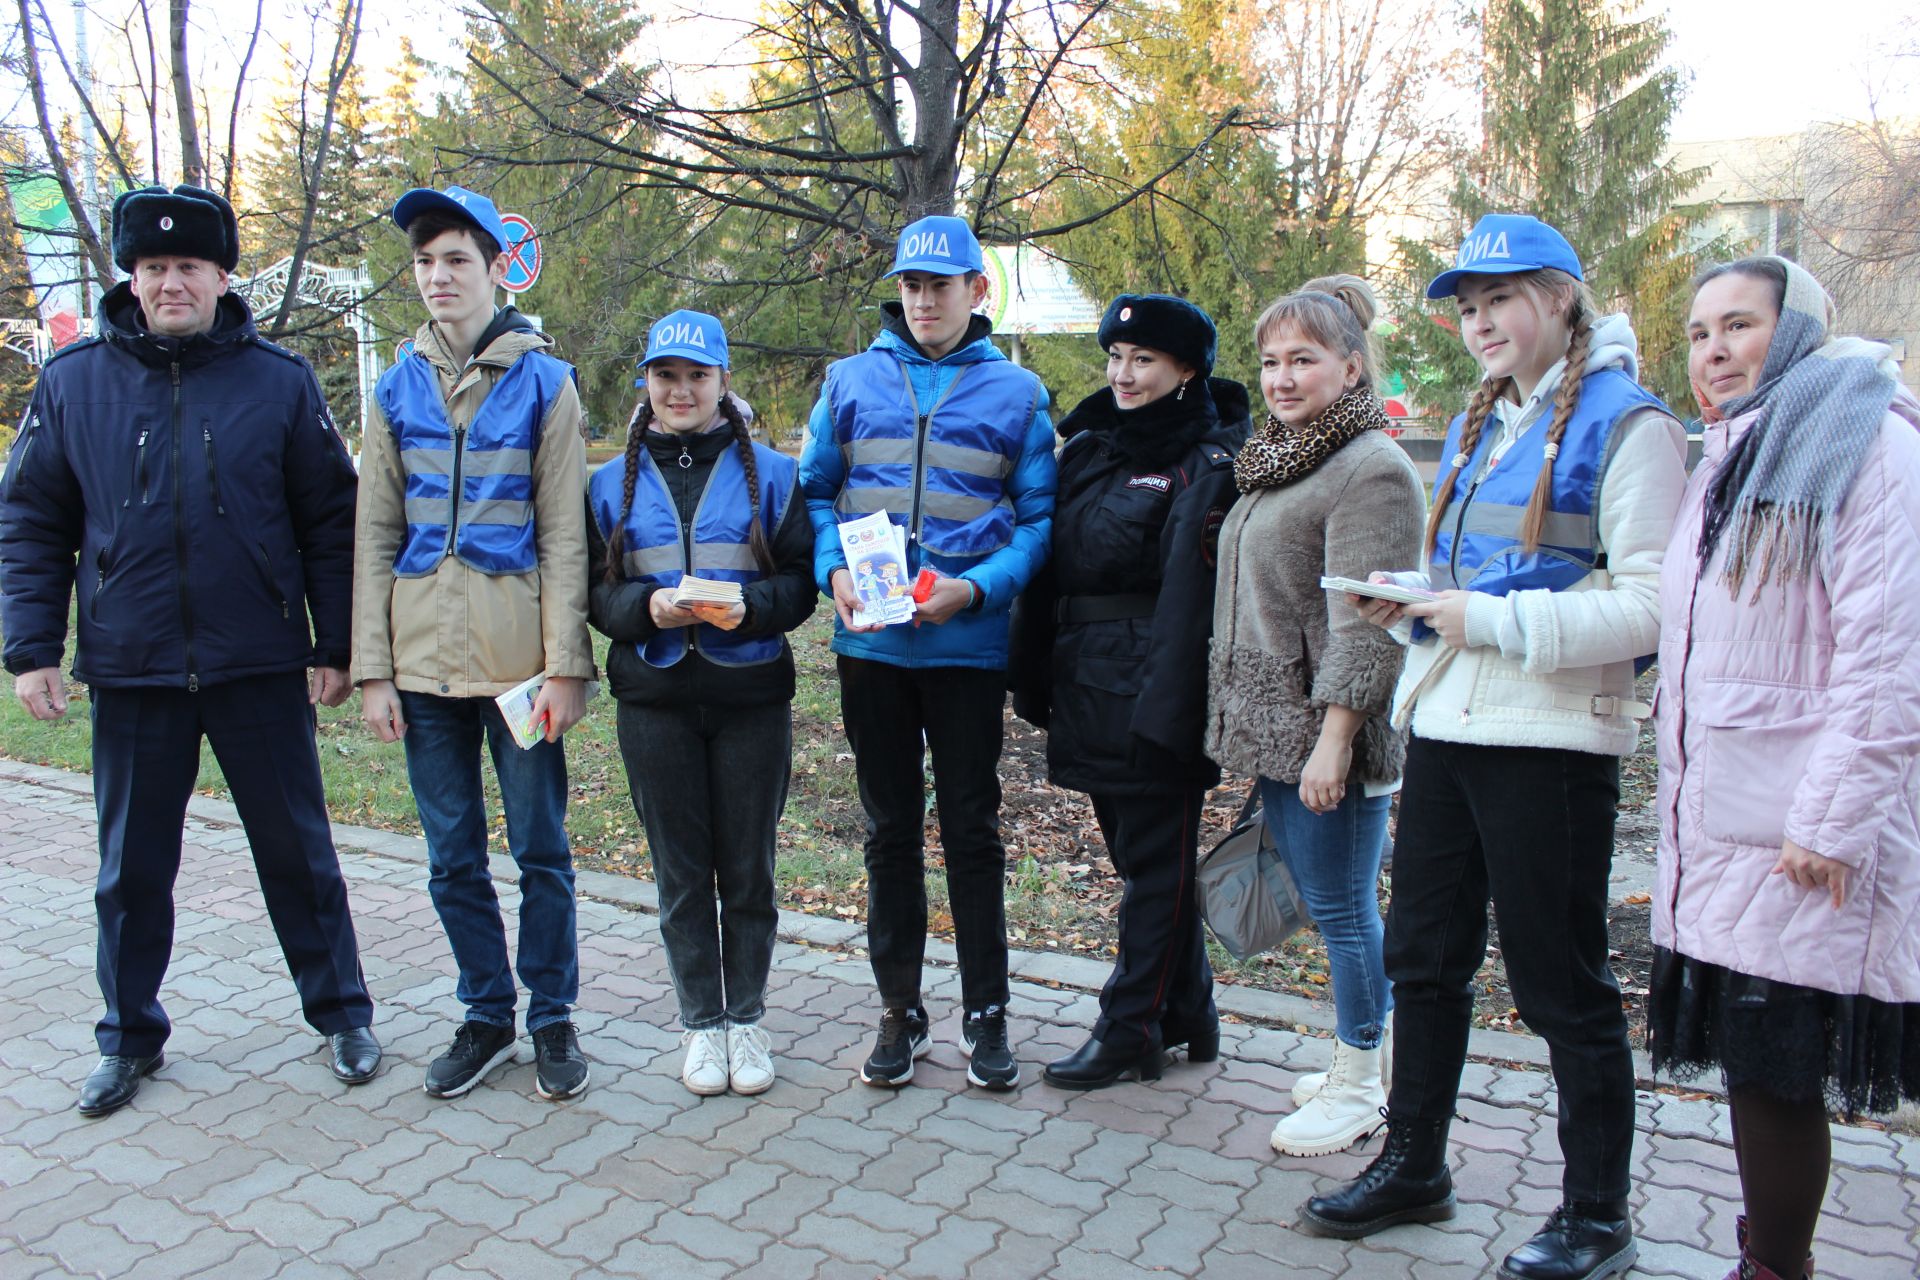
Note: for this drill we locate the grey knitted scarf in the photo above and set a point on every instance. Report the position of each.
(1821, 401)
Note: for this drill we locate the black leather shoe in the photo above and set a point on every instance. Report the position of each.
(111, 1085)
(1094, 1066)
(1581, 1241)
(355, 1054)
(1408, 1182)
(1201, 1043)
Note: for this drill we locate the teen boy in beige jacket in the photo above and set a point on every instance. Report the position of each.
(470, 577)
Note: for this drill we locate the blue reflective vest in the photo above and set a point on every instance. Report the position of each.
(655, 552)
(491, 527)
(940, 469)
(1478, 547)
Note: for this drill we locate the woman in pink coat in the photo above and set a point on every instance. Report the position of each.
(1787, 922)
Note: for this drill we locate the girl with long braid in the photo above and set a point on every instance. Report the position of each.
(1543, 548)
(705, 692)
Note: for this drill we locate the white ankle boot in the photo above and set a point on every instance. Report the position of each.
(1347, 1108)
(1314, 1081)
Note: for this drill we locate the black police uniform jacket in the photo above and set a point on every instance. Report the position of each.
(1110, 642)
(198, 492)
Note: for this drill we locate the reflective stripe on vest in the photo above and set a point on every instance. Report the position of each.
(492, 528)
(949, 487)
(1486, 515)
(655, 553)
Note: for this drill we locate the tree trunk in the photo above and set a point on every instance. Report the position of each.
(192, 167)
(97, 255)
(346, 41)
(927, 179)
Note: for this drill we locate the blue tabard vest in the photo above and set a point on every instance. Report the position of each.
(1487, 525)
(940, 469)
(491, 527)
(655, 553)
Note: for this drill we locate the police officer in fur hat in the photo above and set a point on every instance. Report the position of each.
(185, 476)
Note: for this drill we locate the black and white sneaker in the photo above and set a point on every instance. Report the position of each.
(558, 1069)
(478, 1047)
(992, 1065)
(903, 1037)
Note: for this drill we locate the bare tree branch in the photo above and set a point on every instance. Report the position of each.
(239, 95)
(193, 168)
(56, 158)
(339, 66)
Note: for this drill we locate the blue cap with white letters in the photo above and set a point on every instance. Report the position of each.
(690, 335)
(940, 246)
(458, 201)
(1504, 244)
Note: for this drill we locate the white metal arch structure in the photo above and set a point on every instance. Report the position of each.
(28, 338)
(338, 289)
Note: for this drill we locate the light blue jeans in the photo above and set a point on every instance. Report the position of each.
(1335, 861)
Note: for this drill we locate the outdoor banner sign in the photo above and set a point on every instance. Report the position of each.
(47, 240)
(1029, 292)
(523, 254)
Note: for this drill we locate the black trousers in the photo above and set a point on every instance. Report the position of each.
(1530, 828)
(146, 754)
(1161, 975)
(894, 717)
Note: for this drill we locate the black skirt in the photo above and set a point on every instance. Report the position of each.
(1797, 1043)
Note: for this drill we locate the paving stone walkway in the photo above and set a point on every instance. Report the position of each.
(243, 1158)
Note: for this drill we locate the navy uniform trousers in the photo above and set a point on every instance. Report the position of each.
(146, 754)
(1161, 975)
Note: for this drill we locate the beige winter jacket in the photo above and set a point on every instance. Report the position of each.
(458, 632)
(1283, 648)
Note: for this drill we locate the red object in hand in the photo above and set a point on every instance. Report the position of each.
(923, 585)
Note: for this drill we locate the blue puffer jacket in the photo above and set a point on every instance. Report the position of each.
(208, 499)
(968, 639)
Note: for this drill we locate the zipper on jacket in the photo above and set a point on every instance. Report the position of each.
(99, 585)
(22, 450)
(685, 461)
(180, 539)
(1459, 524)
(453, 489)
(139, 469)
(266, 567)
(213, 468)
(920, 424)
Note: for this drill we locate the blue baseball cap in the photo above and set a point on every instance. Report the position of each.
(940, 246)
(459, 202)
(1501, 244)
(690, 335)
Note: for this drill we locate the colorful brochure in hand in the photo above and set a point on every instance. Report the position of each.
(516, 708)
(876, 550)
(1378, 590)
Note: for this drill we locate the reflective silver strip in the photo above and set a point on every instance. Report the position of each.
(428, 511)
(648, 561)
(959, 507)
(509, 511)
(723, 555)
(496, 462)
(876, 453)
(859, 502)
(1559, 529)
(972, 462)
(427, 462)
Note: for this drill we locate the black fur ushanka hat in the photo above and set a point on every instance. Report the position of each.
(1164, 323)
(186, 222)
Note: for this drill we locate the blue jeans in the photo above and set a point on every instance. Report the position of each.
(1335, 861)
(443, 765)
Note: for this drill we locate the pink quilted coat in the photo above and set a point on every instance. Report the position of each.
(1797, 716)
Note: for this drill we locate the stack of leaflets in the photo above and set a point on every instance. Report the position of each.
(877, 557)
(692, 591)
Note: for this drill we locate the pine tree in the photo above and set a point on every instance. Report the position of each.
(1577, 103)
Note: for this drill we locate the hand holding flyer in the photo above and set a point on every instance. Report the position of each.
(877, 560)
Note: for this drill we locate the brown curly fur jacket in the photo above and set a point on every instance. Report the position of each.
(1284, 649)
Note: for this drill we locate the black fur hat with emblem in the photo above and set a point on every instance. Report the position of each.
(186, 222)
(1164, 323)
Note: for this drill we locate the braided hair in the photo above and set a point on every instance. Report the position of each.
(743, 442)
(637, 426)
(1579, 318)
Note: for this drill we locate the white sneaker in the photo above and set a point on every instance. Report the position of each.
(1314, 1081)
(749, 1059)
(705, 1070)
(1351, 1105)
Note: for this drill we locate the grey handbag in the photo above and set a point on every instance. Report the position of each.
(1247, 895)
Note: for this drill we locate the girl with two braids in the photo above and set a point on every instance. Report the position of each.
(705, 691)
(1544, 542)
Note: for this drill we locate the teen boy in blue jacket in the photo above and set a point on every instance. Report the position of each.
(932, 425)
(193, 471)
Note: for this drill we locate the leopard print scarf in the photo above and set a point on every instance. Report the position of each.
(1276, 454)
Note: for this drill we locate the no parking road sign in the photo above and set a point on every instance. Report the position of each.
(523, 254)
